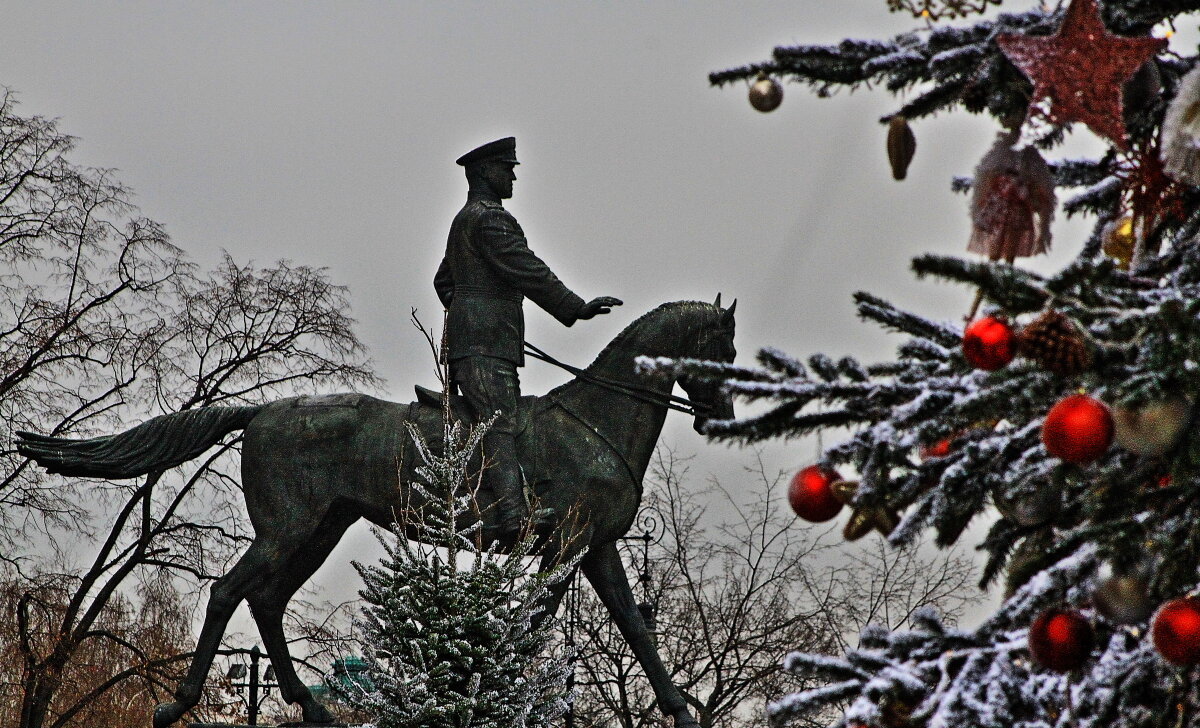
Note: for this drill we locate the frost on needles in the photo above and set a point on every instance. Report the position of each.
(453, 633)
(1061, 526)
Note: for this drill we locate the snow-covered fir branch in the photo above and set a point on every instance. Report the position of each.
(453, 629)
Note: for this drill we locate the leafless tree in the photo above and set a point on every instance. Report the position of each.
(735, 597)
(104, 323)
(101, 687)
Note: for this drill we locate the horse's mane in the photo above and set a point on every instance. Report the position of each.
(634, 330)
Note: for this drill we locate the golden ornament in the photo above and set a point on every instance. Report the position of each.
(864, 519)
(1119, 241)
(765, 93)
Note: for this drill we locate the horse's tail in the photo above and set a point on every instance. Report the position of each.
(156, 444)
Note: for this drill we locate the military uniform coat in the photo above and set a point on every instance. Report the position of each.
(487, 272)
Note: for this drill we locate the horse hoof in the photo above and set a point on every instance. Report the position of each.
(167, 713)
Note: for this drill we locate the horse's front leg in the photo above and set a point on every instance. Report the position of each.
(603, 568)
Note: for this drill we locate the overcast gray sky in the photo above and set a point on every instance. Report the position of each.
(326, 133)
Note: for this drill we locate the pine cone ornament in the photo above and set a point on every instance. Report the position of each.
(1056, 344)
(901, 146)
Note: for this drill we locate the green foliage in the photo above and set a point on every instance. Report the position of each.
(454, 634)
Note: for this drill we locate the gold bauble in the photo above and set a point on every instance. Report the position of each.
(1119, 241)
(766, 94)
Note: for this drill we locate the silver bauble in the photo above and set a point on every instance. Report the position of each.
(1123, 598)
(1153, 428)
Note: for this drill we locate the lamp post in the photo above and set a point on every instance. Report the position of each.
(237, 671)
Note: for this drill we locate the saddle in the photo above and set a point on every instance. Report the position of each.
(528, 452)
(460, 411)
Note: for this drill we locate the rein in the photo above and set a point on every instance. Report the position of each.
(649, 396)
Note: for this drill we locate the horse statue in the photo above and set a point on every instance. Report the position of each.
(314, 465)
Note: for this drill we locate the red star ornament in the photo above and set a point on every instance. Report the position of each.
(1081, 69)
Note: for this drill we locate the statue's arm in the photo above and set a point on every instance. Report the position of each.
(505, 249)
(443, 283)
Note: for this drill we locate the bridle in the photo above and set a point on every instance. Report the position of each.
(643, 394)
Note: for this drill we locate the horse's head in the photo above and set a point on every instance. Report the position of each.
(714, 343)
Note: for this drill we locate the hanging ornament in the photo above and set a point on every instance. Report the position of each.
(1061, 639)
(1153, 428)
(935, 450)
(1181, 131)
(989, 343)
(1150, 195)
(1119, 241)
(1056, 344)
(1176, 631)
(1078, 429)
(1012, 202)
(901, 146)
(766, 94)
(811, 496)
(864, 519)
(1081, 69)
(1123, 597)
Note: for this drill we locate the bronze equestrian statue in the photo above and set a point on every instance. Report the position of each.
(487, 272)
(312, 466)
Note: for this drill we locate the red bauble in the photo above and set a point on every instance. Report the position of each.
(1176, 631)
(989, 343)
(939, 449)
(810, 495)
(1061, 639)
(1079, 429)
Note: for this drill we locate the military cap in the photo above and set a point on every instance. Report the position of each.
(501, 150)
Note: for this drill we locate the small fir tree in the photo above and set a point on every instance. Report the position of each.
(452, 629)
(1099, 542)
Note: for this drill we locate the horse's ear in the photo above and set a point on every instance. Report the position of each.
(717, 303)
(727, 314)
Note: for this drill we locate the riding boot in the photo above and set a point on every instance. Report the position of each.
(503, 474)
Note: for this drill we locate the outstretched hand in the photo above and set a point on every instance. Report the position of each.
(597, 306)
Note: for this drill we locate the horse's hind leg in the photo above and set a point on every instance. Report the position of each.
(224, 597)
(269, 603)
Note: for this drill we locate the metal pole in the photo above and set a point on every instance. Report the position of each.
(254, 655)
(572, 616)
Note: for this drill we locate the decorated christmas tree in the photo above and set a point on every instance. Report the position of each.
(1063, 401)
(452, 629)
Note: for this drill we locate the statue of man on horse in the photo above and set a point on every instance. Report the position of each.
(314, 465)
(487, 272)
